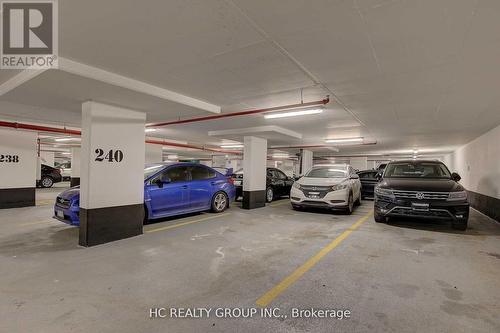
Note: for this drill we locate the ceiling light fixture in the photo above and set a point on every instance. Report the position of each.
(149, 130)
(292, 113)
(346, 140)
(66, 139)
(231, 146)
(281, 156)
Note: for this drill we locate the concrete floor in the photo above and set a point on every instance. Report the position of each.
(398, 277)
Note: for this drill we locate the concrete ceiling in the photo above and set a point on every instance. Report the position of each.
(403, 74)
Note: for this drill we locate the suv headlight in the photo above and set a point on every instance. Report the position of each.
(456, 196)
(338, 187)
(296, 185)
(384, 192)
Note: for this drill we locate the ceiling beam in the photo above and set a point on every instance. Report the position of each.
(102, 75)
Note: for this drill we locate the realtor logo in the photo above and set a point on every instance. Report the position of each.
(29, 34)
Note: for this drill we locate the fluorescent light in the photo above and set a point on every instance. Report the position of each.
(149, 130)
(281, 156)
(346, 140)
(415, 151)
(172, 157)
(66, 139)
(65, 153)
(292, 113)
(232, 146)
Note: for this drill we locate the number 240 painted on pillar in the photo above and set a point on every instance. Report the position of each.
(111, 155)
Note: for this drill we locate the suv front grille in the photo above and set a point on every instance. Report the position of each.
(420, 195)
(319, 191)
(438, 213)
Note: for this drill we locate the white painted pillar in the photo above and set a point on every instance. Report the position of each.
(47, 158)
(359, 163)
(254, 169)
(154, 153)
(18, 168)
(306, 161)
(76, 165)
(112, 173)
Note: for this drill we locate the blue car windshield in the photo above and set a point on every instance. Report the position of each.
(151, 170)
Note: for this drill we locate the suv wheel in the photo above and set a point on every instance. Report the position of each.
(219, 202)
(46, 182)
(459, 225)
(269, 194)
(378, 218)
(350, 204)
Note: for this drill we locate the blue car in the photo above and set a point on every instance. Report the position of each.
(169, 189)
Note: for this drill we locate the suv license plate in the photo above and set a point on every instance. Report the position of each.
(424, 207)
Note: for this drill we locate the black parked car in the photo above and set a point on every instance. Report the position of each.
(368, 180)
(424, 189)
(277, 184)
(49, 176)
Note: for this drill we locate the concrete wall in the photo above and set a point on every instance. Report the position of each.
(478, 163)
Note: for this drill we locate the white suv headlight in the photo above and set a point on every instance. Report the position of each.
(384, 192)
(296, 185)
(338, 187)
(462, 195)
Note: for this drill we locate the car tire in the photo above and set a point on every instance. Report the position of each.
(460, 225)
(46, 182)
(350, 204)
(269, 194)
(358, 201)
(146, 215)
(220, 202)
(379, 218)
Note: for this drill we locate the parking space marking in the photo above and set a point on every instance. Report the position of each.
(269, 296)
(186, 223)
(279, 203)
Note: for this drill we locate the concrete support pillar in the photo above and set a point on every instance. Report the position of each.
(254, 168)
(47, 158)
(76, 165)
(112, 173)
(306, 160)
(219, 161)
(154, 153)
(359, 163)
(18, 168)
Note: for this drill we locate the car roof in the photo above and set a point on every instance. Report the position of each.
(416, 161)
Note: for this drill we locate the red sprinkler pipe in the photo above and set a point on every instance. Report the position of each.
(39, 128)
(242, 113)
(75, 132)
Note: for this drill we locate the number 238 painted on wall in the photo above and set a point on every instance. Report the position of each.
(9, 158)
(110, 156)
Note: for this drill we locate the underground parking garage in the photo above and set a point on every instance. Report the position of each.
(250, 166)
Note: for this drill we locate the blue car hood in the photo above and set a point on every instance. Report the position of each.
(71, 194)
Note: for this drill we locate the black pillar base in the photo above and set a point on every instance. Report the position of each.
(253, 199)
(487, 205)
(74, 181)
(17, 197)
(103, 225)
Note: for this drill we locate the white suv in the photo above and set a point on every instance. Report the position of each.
(334, 186)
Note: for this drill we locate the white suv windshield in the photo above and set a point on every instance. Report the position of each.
(326, 172)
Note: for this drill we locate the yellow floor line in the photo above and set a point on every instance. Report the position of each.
(186, 223)
(269, 296)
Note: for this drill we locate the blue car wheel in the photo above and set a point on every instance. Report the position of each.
(220, 202)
